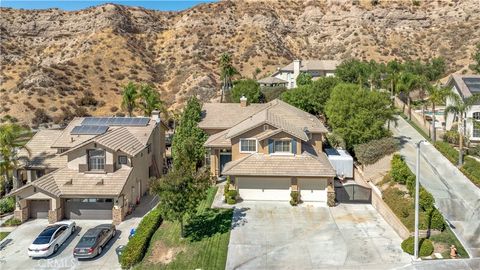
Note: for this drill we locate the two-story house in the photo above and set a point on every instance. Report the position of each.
(465, 86)
(267, 150)
(287, 75)
(95, 168)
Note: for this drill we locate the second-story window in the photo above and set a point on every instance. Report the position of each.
(282, 146)
(122, 160)
(248, 145)
(96, 160)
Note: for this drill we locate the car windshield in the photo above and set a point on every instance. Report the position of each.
(41, 240)
(87, 241)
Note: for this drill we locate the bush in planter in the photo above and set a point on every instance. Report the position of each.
(226, 188)
(137, 246)
(7, 205)
(425, 246)
(11, 222)
(231, 196)
(435, 220)
(295, 198)
(231, 201)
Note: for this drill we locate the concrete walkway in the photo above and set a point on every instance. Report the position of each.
(457, 198)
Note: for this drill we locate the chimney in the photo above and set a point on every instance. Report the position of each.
(243, 101)
(156, 116)
(296, 70)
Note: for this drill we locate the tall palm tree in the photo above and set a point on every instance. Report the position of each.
(459, 109)
(436, 95)
(129, 98)
(407, 83)
(13, 138)
(227, 71)
(150, 100)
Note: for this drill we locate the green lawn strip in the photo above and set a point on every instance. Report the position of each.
(470, 168)
(210, 252)
(3, 235)
(447, 238)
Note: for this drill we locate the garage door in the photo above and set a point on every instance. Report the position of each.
(264, 189)
(313, 190)
(88, 208)
(39, 208)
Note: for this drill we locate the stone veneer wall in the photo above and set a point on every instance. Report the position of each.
(55, 215)
(118, 215)
(21, 214)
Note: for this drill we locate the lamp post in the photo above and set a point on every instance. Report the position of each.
(417, 199)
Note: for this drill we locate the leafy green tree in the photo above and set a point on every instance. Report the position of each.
(312, 97)
(129, 98)
(459, 109)
(358, 115)
(150, 100)
(181, 191)
(187, 146)
(354, 71)
(476, 58)
(12, 139)
(270, 93)
(304, 78)
(248, 88)
(436, 69)
(227, 71)
(436, 95)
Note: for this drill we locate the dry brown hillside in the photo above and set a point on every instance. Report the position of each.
(66, 62)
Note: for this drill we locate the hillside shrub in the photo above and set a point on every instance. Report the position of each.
(7, 205)
(373, 151)
(137, 246)
(425, 246)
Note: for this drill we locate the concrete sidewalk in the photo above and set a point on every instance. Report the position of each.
(457, 198)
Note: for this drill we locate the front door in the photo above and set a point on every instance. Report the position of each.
(224, 159)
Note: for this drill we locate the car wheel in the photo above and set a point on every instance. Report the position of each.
(99, 250)
(73, 230)
(114, 233)
(55, 248)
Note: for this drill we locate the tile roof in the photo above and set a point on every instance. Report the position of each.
(226, 115)
(120, 139)
(218, 140)
(465, 90)
(281, 165)
(306, 65)
(67, 182)
(41, 154)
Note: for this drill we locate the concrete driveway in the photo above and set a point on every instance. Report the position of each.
(273, 235)
(14, 255)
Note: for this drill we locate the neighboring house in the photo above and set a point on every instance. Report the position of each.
(96, 168)
(267, 150)
(465, 86)
(288, 74)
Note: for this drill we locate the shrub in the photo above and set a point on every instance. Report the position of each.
(137, 246)
(40, 117)
(426, 199)
(295, 198)
(435, 220)
(448, 151)
(336, 141)
(373, 151)
(425, 246)
(471, 168)
(400, 171)
(12, 222)
(7, 205)
(451, 136)
(474, 151)
(232, 193)
(231, 201)
(208, 223)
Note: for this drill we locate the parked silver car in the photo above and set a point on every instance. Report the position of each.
(94, 240)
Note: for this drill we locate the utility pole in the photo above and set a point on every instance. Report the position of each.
(417, 200)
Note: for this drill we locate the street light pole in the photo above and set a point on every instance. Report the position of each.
(417, 199)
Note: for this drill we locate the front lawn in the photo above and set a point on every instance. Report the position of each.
(3, 235)
(204, 247)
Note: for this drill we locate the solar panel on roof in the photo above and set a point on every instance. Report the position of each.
(89, 130)
(115, 121)
(473, 84)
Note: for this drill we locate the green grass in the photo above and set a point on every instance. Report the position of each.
(210, 252)
(416, 127)
(3, 235)
(470, 168)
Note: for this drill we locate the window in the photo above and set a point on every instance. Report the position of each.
(266, 127)
(282, 146)
(476, 116)
(96, 160)
(476, 129)
(122, 160)
(248, 145)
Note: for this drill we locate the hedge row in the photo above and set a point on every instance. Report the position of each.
(373, 151)
(425, 246)
(471, 167)
(137, 246)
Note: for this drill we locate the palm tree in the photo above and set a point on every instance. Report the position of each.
(227, 71)
(459, 109)
(407, 83)
(13, 138)
(436, 95)
(150, 100)
(129, 98)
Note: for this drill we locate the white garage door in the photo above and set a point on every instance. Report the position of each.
(264, 189)
(313, 190)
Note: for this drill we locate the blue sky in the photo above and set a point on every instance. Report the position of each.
(166, 5)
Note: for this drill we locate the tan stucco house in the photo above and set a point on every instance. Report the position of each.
(268, 150)
(95, 168)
